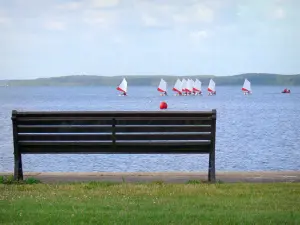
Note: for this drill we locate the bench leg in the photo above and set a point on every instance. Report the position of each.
(18, 171)
(211, 168)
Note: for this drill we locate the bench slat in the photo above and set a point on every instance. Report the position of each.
(65, 143)
(108, 136)
(65, 137)
(165, 136)
(157, 122)
(64, 128)
(108, 128)
(114, 114)
(64, 122)
(163, 128)
(132, 121)
(121, 149)
(96, 143)
(160, 117)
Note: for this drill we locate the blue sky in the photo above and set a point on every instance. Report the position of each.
(45, 38)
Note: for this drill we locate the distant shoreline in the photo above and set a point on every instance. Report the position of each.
(256, 79)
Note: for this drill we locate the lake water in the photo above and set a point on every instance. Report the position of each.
(256, 132)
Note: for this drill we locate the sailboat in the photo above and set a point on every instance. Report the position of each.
(178, 87)
(246, 87)
(211, 87)
(189, 87)
(162, 87)
(183, 87)
(197, 87)
(123, 87)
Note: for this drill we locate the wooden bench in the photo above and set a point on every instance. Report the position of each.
(122, 132)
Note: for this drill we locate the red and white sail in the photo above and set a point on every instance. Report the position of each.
(184, 85)
(162, 87)
(211, 86)
(247, 86)
(123, 86)
(178, 87)
(197, 86)
(189, 86)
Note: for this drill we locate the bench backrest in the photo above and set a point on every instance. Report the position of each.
(114, 132)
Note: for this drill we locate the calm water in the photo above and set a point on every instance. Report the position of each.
(257, 132)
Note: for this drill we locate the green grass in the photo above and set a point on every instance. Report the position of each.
(10, 180)
(153, 203)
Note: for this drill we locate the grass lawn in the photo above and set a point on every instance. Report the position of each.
(155, 203)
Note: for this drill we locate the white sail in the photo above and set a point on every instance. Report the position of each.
(178, 86)
(211, 86)
(197, 86)
(247, 86)
(184, 84)
(123, 86)
(189, 86)
(162, 87)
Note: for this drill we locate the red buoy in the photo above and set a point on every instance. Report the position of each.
(163, 105)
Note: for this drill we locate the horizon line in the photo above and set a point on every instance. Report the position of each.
(170, 75)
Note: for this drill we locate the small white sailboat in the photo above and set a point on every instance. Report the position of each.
(189, 87)
(178, 87)
(197, 87)
(193, 86)
(123, 87)
(162, 87)
(211, 87)
(246, 87)
(183, 87)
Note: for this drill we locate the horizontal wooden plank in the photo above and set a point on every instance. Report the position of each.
(99, 143)
(164, 143)
(153, 117)
(122, 149)
(163, 122)
(63, 118)
(64, 128)
(111, 113)
(57, 121)
(65, 143)
(108, 128)
(108, 136)
(65, 137)
(133, 118)
(164, 136)
(119, 121)
(163, 128)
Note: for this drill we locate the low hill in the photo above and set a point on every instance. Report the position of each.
(148, 80)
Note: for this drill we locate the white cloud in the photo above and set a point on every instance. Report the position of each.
(55, 25)
(150, 21)
(279, 13)
(100, 18)
(88, 4)
(196, 35)
(152, 14)
(104, 3)
(175, 12)
(70, 6)
(195, 14)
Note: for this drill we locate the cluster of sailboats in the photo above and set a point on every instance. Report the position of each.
(186, 87)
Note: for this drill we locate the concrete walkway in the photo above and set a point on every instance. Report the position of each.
(169, 177)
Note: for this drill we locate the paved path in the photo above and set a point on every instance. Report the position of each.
(170, 177)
